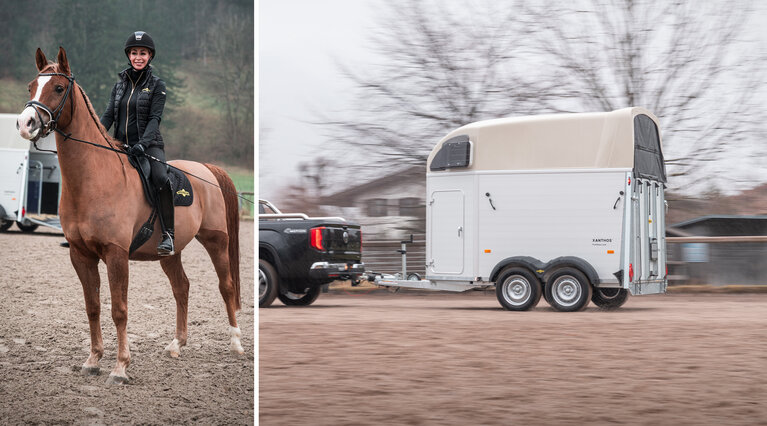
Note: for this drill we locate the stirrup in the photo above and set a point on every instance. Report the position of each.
(166, 247)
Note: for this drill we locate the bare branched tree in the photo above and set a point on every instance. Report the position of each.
(686, 61)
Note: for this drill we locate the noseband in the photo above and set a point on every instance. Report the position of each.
(54, 115)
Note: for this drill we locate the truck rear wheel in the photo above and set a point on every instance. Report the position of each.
(300, 299)
(568, 290)
(610, 298)
(268, 283)
(517, 289)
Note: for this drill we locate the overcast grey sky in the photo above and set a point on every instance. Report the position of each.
(299, 41)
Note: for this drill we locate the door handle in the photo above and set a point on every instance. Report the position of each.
(460, 228)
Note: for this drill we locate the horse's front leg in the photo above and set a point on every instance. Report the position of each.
(87, 270)
(116, 260)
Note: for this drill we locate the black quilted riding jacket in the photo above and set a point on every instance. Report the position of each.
(136, 105)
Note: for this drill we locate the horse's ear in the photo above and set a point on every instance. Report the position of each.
(63, 62)
(40, 59)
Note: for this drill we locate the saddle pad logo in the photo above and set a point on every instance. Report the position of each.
(146, 89)
(183, 193)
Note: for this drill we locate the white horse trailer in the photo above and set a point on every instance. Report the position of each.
(568, 206)
(30, 180)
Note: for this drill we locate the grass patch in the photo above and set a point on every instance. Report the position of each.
(13, 94)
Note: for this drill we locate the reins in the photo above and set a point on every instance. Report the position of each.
(150, 157)
(51, 126)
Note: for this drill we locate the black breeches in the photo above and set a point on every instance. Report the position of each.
(159, 174)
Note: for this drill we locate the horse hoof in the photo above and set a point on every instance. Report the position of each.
(173, 349)
(237, 350)
(117, 380)
(90, 371)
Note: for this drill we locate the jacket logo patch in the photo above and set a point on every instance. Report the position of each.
(183, 193)
(146, 89)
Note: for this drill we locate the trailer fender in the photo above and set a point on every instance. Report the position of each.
(532, 264)
(575, 262)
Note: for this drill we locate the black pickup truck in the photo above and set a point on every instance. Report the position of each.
(297, 255)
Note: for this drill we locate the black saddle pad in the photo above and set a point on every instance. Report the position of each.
(182, 188)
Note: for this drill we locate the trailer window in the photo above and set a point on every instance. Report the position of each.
(648, 157)
(455, 152)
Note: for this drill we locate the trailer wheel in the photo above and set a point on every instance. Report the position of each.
(268, 283)
(300, 299)
(517, 289)
(610, 298)
(27, 228)
(5, 224)
(568, 290)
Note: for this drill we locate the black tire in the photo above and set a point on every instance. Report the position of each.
(5, 224)
(413, 277)
(268, 283)
(568, 290)
(27, 228)
(610, 298)
(300, 299)
(517, 289)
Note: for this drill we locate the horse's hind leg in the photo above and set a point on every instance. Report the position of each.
(88, 272)
(216, 244)
(173, 268)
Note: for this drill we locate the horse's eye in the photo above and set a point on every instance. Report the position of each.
(29, 88)
(59, 89)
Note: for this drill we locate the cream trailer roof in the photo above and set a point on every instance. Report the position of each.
(625, 138)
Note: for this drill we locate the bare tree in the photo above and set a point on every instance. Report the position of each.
(232, 73)
(685, 61)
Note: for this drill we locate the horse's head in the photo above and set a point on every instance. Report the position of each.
(49, 93)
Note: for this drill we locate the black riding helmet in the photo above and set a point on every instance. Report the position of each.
(139, 39)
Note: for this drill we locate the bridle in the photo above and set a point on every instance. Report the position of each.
(54, 115)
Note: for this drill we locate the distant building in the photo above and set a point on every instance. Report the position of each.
(389, 207)
(719, 263)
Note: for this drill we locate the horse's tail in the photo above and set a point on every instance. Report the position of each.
(232, 225)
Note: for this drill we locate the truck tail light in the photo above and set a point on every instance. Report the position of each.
(360, 234)
(631, 272)
(316, 237)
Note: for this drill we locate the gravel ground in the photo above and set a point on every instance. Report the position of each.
(415, 358)
(44, 340)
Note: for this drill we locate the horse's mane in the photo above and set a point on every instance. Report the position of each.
(92, 112)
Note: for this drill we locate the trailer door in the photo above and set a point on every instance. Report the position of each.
(447, 233)
(13, 176)
(648, 239)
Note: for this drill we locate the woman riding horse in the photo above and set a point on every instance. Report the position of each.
(136, 106)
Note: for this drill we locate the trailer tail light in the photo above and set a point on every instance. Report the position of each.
(316, 238)
(360, 234)
(631, 272)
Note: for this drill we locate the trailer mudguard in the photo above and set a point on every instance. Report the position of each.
(575, 262)
(534, 265)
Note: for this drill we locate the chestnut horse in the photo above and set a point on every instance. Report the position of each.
(103, 206)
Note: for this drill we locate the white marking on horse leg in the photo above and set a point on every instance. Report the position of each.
(173, 349)
(235, 345)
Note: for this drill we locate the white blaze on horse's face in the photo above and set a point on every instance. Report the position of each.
(27, 122)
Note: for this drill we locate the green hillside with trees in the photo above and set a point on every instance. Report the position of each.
(204, 54)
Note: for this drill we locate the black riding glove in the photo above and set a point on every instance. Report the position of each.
(137, 150)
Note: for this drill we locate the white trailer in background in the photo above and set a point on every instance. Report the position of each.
(568, 206)
(30, 180)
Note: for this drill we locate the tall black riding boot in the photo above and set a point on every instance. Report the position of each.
(165, 208)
